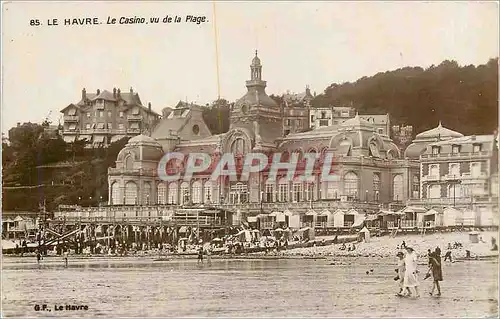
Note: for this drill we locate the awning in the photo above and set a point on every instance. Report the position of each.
(262, 216)
(287, 213)
(386, 212)
(273, 214)
(371, 217)
(85, 137)
(413, 209)
(8, 220)
(69, 139)
(18, 219)
(311, 213)
(325, 212)
(431, 212)
(183, 229)
(359, 222)
(98, 139)
(252, 219)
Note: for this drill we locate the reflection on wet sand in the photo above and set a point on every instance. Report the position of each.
(228, 288)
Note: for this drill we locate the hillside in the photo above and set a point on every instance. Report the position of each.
(464, 98)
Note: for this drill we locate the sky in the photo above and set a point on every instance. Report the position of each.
(299, 43)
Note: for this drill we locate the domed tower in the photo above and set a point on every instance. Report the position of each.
(133, 182)
(257, 106)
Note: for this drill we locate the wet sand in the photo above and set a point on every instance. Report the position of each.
(141, 287)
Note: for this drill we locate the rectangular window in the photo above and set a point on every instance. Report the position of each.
(109, 114)
(269, 193)
(121, 113)
(288, 122)
(476, 148)
(455, 149)
(87, 126)
(121, 126)
(88, 114)
(101, 113)
(110, 125)
(312, 118)
(323, 122)
(435, 150)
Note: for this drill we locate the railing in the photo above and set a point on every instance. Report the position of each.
(306, 224)
(430, 178)
(450, 200)
(135, 172)
(133, 130)
(134, 117)
(267, 225)
(71, 118)
(348, 224)
(455, 155)
(320, 224)
(177, 220)
(410, 224)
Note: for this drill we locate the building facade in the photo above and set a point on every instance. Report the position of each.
(370, 169)
(102, 118)
(456, 171)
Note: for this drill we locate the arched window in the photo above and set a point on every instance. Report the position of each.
(416, 187)
(116, 198)
(331, 189)
(434, 191)
(172, 193)
(238, 146)
(185, 195)
(455, 191)
(197, 188)
(283, 190)
(297, 191)
(376, 186)
(434, 171)
(146, 193)
(397, 188)
(455, 170)
(238, 193)
(207, 192)
(131, 193)
(161, 192)
(129, 162)
(269, 196)
(351, 184)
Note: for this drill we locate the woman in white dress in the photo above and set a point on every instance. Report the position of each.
(410, 278)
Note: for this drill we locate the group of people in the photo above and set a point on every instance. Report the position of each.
(407, 272)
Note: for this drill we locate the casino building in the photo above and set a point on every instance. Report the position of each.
(372, 172)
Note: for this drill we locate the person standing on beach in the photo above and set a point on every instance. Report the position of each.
(401, 272)
(436, 270)
(38, 257)
(410, 277)
(200, 255)
(65, 257)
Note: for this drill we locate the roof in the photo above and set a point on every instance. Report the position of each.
(257, 96)
(467, 140)
(438, 132)
(356, 121)
(105, 95)
(166, 126)
(377, 119)
(414, 150)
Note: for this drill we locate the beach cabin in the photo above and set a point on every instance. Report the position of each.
(266, 221)
(365, 235)
(294, 221)
(388, 219)
(452, 217)
(324, 219)
(474, 237)
(433, 218)
(372, 221)
(353, 219)
(338, 218)
(287, 214)
(309, 218)
(412, 216)
(471, 218)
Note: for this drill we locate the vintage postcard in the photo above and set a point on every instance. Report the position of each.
(250, 159)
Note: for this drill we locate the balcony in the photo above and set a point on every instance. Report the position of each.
(451, 177)
(95, 131)
(410, 224)
(134, 130)
(134, 117)
(132, 172)
(450, 156)
(429, 178)
(305, 205)
(71, 118)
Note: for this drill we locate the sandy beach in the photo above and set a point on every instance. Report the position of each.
(387, 246)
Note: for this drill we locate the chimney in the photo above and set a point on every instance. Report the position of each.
(19, 123)
(149, 107)
(114, 92)
(84, 94)
(98, 91)
(118, 94)
(131, 90)
(308, 90)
